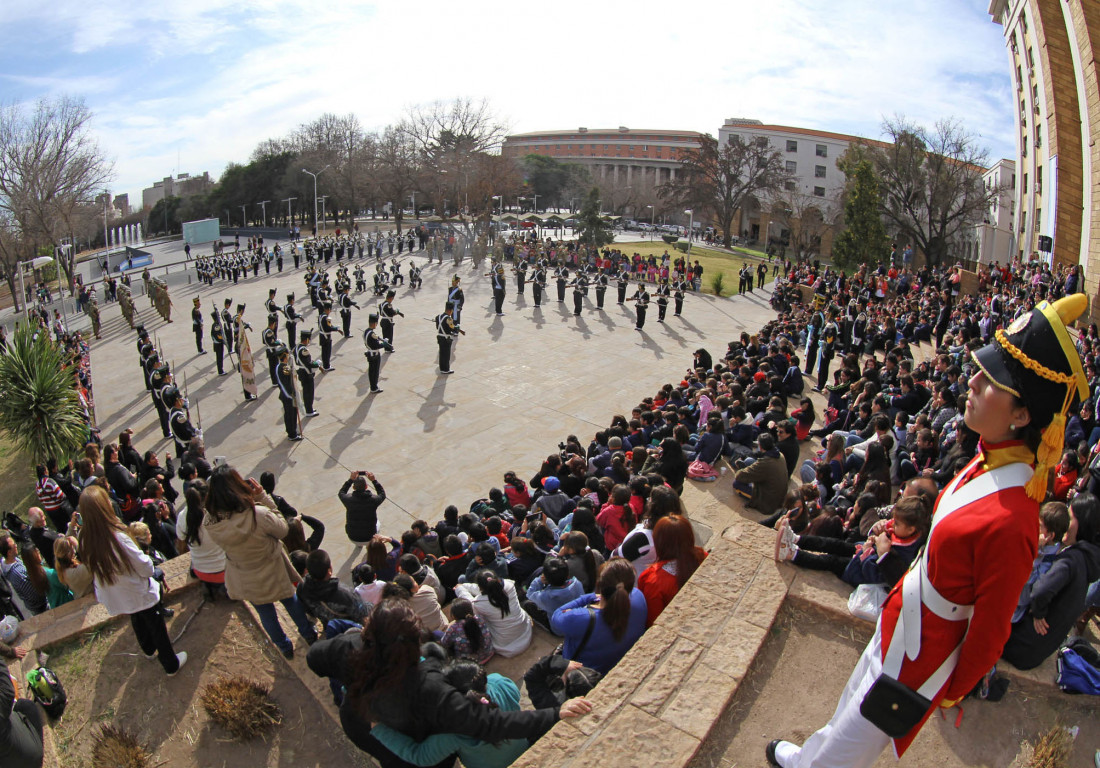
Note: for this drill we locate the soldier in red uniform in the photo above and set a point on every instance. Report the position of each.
(943, 626)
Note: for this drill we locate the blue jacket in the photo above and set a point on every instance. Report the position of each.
(602, 651)
(550, 599)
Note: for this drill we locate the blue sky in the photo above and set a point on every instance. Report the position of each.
(204, 81)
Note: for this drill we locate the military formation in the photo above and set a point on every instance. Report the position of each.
(336, 279)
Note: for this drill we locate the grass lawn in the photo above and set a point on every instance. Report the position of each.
(712, 261)
(16, 481)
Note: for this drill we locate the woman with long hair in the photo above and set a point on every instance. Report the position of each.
(123, 577)
(496, 601)
(70, 571)
(584, 521)
(943, 630)
(468, 636)
(669, 462)
(616, 611)
(388, 682)
(241, 519)
(583, 560)
(677, 560)
(43, 578)
(207, 558)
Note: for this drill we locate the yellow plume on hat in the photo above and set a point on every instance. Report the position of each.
(1067, 310)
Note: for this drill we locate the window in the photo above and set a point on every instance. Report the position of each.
(1025, 184)
(1039, 180)
(1038, 218)
(792, 146)
(1030, 58)
(819, 171)
(792, 166)
(645, 147)
(790, 186)
(822, 150)
(762, 141)
(819, 191)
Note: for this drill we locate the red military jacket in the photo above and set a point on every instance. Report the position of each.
(981, 555)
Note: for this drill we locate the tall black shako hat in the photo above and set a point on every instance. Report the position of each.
(1036, 360)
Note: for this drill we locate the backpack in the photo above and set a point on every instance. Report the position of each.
(1078, 670)
(48, 691)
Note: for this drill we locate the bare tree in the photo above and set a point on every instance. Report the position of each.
(932, 183)
(337, 141)
(807, 218)
(50, 169)
(396, 169)
(719, 179)
(460, 127)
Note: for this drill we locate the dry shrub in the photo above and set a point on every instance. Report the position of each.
(241, 706)
(118, 748)
(1052, 750)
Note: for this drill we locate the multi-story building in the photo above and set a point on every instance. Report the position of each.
(995, 237)
(1053, 47)
(614, 156)
(183, 185)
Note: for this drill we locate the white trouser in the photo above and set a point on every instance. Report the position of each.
(848, 740)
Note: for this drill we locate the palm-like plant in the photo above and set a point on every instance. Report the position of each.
(40, 412)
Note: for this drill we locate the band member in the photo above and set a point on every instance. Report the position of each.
(561, 275)
(538, 283)
(662, 300)
(284, 376)
(580, 290)
(387, 313)
(292, 318)
(624, 281)
(520, 271)
(498, 282)
(456, 299)
(217, 338)
(306, 365)
(601, 289)
(227, 326)
(446, 329)
(374, 345)
(346, 304)
(325, 330)
(641, 299)
(679, 286)
(270, 338)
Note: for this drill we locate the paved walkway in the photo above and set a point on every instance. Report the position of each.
(523, 382)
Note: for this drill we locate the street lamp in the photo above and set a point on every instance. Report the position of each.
(289, 215)
(416, 213)
(244, 215)
(324, 217)
(263, 211)
(691, 222)
(315, 175)
(228, 222)
(37, 262)
(651, 227)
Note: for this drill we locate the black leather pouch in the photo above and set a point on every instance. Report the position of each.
(893, 708)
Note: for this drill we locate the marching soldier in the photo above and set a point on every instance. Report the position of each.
(178, 419)
(415, 280)
(271, 305)
(324, 336)
(388, 312)
(306, 365)
(641, 299)
(624, 281)
(561, 275)
(679, 286)
(374, 346)
(580, 290)
(93, 313)
(217, 337)
(446, 330)
(662, 300)
(278, 257)
(196, 325)
(456, 298)
(227, 326)
(538, 283)
(161, 379)
(345, 307)
(601, 289)
(284, 377)
(292, 318)
(270, 337)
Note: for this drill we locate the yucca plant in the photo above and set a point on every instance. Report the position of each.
(40, 412)
(116, 747)
(718, 283)
(241, 706)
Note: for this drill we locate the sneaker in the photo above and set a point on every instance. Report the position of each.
(312, 413)
(446, 372)
(376, 391)
(181, 657)
(296, 438)
(330, 368)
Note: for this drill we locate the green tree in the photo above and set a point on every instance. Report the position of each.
(40, 412)
(863, 240)
(547, 177)
(593, 230)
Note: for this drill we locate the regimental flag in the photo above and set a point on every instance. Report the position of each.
(248, 371)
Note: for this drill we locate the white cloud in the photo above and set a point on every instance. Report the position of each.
(250, 71)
